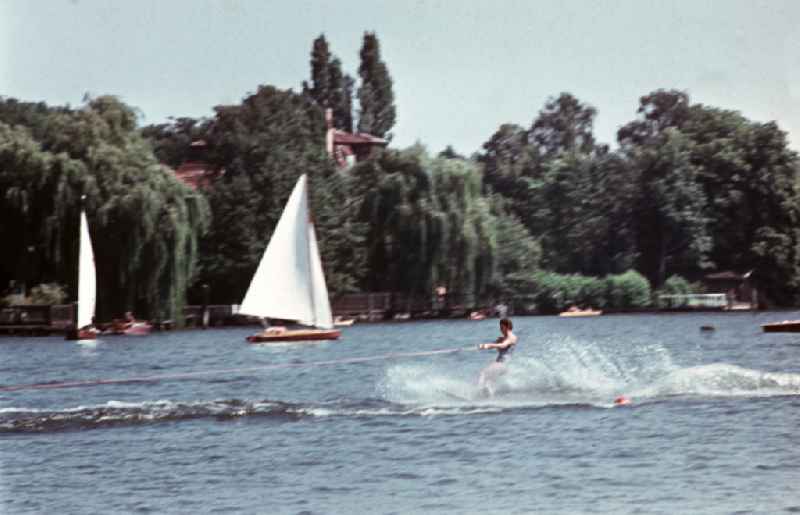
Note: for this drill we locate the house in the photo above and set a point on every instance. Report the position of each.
(195, 172)
(738, 288)
(347, 148)
(344, 147)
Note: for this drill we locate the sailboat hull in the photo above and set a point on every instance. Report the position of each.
(295, 336)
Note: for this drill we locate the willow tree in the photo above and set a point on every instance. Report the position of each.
(428, 224)
(467, 263)
(144, 224)
(405, 231)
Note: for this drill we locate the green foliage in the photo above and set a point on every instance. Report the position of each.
(14, 299)
(171, 141)
(48, 294)
(564, 125)
(553, 293)
(375, 95)
(467, 265)
(428, 224)
(672, 224)
(330, 87)
(676, 285)
(628, 290)
(144, 223)
(264, 144)
(747, 178)
(518, 254)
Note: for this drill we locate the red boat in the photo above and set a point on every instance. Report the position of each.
(787, 326)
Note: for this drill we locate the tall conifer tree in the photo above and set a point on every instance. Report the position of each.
(330, 87)
(375, 96)
(319, 89)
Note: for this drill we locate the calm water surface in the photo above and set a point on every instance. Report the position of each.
(714, 425)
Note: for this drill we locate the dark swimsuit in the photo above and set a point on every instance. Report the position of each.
(504, 354)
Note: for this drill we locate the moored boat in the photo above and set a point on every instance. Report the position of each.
(343, 322)
(581, 313)
(295, 335)
(787, 326)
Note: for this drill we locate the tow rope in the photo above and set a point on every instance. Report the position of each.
(189, 375)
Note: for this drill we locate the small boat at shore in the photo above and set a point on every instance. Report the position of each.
(129, 328)
(343, 322)
(787, 326)
(289, 283)
(581, 313)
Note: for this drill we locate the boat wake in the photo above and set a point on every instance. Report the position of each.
(116, 414)
(563, 374)
(569, 373)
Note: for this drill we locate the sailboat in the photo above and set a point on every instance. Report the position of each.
(87, 287)
(289, 283)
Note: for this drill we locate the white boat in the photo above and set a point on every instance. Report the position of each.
(575, 312)
(289, 283)
(343, 322)
(87, 287)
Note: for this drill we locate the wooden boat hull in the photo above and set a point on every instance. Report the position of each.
(788, 326)
(586, 313)
(296, 336)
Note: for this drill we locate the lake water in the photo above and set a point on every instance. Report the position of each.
(713, 427)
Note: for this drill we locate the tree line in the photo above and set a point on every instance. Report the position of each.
(689, 189)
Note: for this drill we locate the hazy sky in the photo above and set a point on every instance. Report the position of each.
(460, 68)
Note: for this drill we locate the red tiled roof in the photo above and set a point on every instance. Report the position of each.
(194, 174)
(345, 138)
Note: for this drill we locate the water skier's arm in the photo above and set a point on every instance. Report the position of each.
(504, 344)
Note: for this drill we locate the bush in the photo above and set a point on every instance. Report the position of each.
(553, 293)
(15, 299)
(45, 294)
(628, 290)
(675, 285)
(556, 292)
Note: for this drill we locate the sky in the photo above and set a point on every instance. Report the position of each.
(460, 68)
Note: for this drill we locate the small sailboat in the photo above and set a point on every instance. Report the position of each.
(87, 287)
(289, 283)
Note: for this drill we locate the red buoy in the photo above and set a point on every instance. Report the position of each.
(621, 401)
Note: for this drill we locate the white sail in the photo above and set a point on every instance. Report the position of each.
(87, 282)
(319, 290)
(289, 282)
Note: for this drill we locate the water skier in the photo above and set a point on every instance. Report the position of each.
(505, 346)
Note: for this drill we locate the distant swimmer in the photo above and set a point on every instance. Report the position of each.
(622, 401)
(505, 346)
